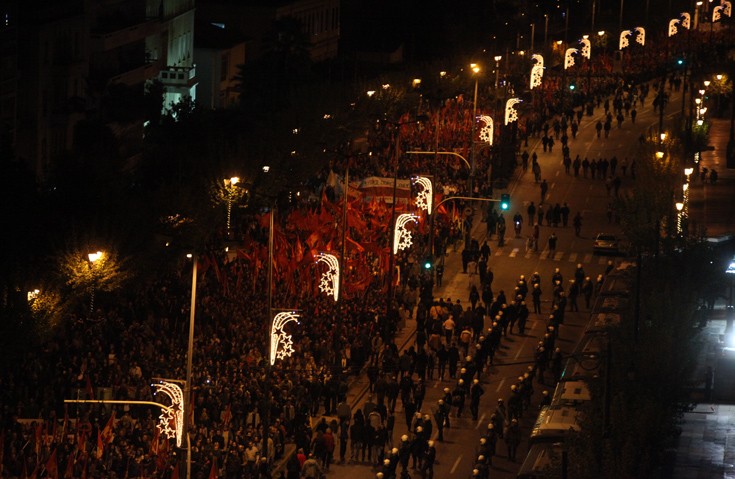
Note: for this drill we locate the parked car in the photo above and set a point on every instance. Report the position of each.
(606, 243)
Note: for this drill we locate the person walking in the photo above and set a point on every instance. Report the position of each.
(552, 243)
(544, 189)
(577, 223)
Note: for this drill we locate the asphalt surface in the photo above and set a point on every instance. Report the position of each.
(456, 454)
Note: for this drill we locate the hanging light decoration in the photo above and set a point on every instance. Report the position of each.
(329, 282)
(281, 343)
(402, 238)
(171, 420)
(511, 114)
(425, 197)
(487, 131)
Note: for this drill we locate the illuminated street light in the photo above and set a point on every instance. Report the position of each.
(230, 187)
(497, 68)
(370, 93)
(33, 294)
(266, 169)
(173, 416)
(688, 171)
(663, 137)
(416, 82)
(679, 214)
(659, 154)
(93, 258)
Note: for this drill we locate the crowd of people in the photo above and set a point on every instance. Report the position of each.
(142, 336)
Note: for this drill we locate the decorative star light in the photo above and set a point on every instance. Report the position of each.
(624, 39)
(537, 72)
(727, 8)
(281, 343)
(329, 282)
(569, 57)
(539, 59)
(586, 48)
(487, 131)
(173, 415)
(640, 35)
(401, 236)
(672, 26)
(717, 13)
(425, 197)
(686, 20)
(511, 114)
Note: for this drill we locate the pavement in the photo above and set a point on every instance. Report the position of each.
(708, 432)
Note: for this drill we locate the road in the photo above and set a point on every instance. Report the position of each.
(456, 454)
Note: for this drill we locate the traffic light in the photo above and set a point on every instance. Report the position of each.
(572, 87)
(680, 61)
(428, 263)
(505, 202)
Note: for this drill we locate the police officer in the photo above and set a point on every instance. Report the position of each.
(427, 465)
(476, 392)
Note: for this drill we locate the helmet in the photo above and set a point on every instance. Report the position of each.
(404, 438)
(475, 472)
(557, 350)
(513, 387)
(462, 371)
(571, 281)
(380, 474)
(386, 462)
(579, 265)
(525, 375)
(523, 277)
(418, 414)
(587, 278)
(446, 390)
(468, 358)
(545, 393)
(556, 270)
(535, 273)
(541, 349)
(419, 429)
(475, 381)
(520, 378)
(523, 303)
(441, 402)
(480, 458)
(431, 443)
(530, 368)
(514, 421)
(490, 427)
(500, 399)
(460, 382)
(394, 450)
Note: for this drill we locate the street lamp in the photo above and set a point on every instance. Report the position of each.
(230, 184)
(93, 258)
(475, 71)
(189, 359)
(679, 208)
(497, 69)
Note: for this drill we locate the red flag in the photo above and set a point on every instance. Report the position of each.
(69, 472)
(100, 445)
(90, 391)
(82, 442)
(107, 433)
(175, 474)
(34, 474)
(213, 472)
(84, 467)
(52, 467)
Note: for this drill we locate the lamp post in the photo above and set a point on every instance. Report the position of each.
(475, 71)
(230, 184)
(679, 208)
(497, 69)
(93, 258)
(189, 360)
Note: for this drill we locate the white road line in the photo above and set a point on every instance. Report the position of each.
(528, 254)
(520, 349)
(502, 381)
(513, 253)
(480, 421)
(544, 254)
(558, 255)
(572, 257)
(456, 463)
(557, 173)
(498, 251)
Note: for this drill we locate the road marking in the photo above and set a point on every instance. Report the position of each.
(588, 258)
(513, 253)
(500, 385)
(480, 421)
(456, 463)
(558, 255)
(544, 254)
(528, 254)
(572, 257)
(499, 251)
(557, 173)
(520, 349)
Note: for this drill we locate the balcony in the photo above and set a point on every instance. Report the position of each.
(102, 41)
(178, 76)
(138, 74)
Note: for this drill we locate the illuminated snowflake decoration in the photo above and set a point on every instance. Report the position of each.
(727, 8)
(281, 343)
(624, 38)
(329, 282)
(511, 114)
(586, 48)
(673, 30)
(640, 37)
(402, 238)
(569, 57)
(487, 131)
(537, 72)
(717, 13)
(686, 20)
(425, 197)
(539, 59)
(171, 420)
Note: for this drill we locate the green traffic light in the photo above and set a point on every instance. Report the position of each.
(427, 265)
(505, 202)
